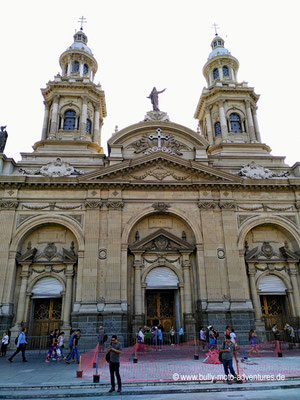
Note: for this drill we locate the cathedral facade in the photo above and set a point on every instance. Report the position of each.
(173, 226)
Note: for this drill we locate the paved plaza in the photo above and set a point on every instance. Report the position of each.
(165, 372)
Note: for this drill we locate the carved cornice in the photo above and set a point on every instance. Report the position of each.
(227, 205)
(93, 204)
(207, 205)
(8, 205)
(161, 206)
(114, 205)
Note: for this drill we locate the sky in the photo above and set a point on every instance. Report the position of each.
(139, 44)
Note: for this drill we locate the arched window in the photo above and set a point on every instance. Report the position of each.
(235, 123)
(88, 126)
(216, 73)
(85, 69)
(225, 70)
(218, 128)
(75, 66)
(69, 120)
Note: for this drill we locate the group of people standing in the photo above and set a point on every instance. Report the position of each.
(156, 336)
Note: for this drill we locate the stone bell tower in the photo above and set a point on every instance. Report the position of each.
(74, 105)
(227, 109)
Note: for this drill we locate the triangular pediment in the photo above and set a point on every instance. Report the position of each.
(160, 167)
(161, 240)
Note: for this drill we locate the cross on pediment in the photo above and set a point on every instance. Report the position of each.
(159, 136)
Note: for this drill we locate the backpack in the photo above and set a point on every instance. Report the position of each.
(16, 340)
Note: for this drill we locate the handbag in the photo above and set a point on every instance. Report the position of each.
(107, 356)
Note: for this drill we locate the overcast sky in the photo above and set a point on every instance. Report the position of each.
(140, 44)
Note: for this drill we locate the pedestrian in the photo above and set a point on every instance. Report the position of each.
(181, 335)
(148, 334)
(154, 335)
(228, 351)
(60, 345)
(21, 346)
(101, 335)
(253, 342)
(203, 337)
(172, 336)
(115, 350)
(212, 338)
(74, 343)
(52, 353)
(276, 332)
(159, 337)
(233, 338)
(4, 344)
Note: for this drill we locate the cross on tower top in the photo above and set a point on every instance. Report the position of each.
(215, 27)
(82, 21)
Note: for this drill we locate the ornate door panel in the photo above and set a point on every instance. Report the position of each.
(273, 310)
(160, 309)
(46, 316)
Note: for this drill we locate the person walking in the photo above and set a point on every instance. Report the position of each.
(60, 345)
(21, 346)
(228, 351)
(74, 343)
(181, 335)
(203, 337)
(115, 350)
(4, 344)
(52, 348)
(253, 343)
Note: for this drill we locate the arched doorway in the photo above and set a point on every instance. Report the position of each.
(162, 298)
(46, 306)
(275, 308)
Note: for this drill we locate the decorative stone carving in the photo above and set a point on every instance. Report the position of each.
(75, 217)
(158, 142)
(162, 207)
(102, 254)
(221, 253)
(227, 205)
(244, 217)
(115, 204)
(52, 206)
(156, 116)
(93, 204)
(24, 217)
(8, 204)
(267, 250)
(255, 171)
(160, 173)
(206, 205)
(53, 169)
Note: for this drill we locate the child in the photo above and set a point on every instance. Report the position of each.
(252, 339)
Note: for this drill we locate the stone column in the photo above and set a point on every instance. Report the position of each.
(83, 116)
(209, 126)
(296, 295)
(223, 121)
(137, 286)
(69, 66)
(250, 122)
(187, 283)
(254, 295)
(291, 301)
(96, 136)
(22, 296)
(45, 122)
(54, 118)
(256, 126)
(68, 297)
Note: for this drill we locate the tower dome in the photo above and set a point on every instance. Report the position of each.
(77, 61)
(218, 48)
